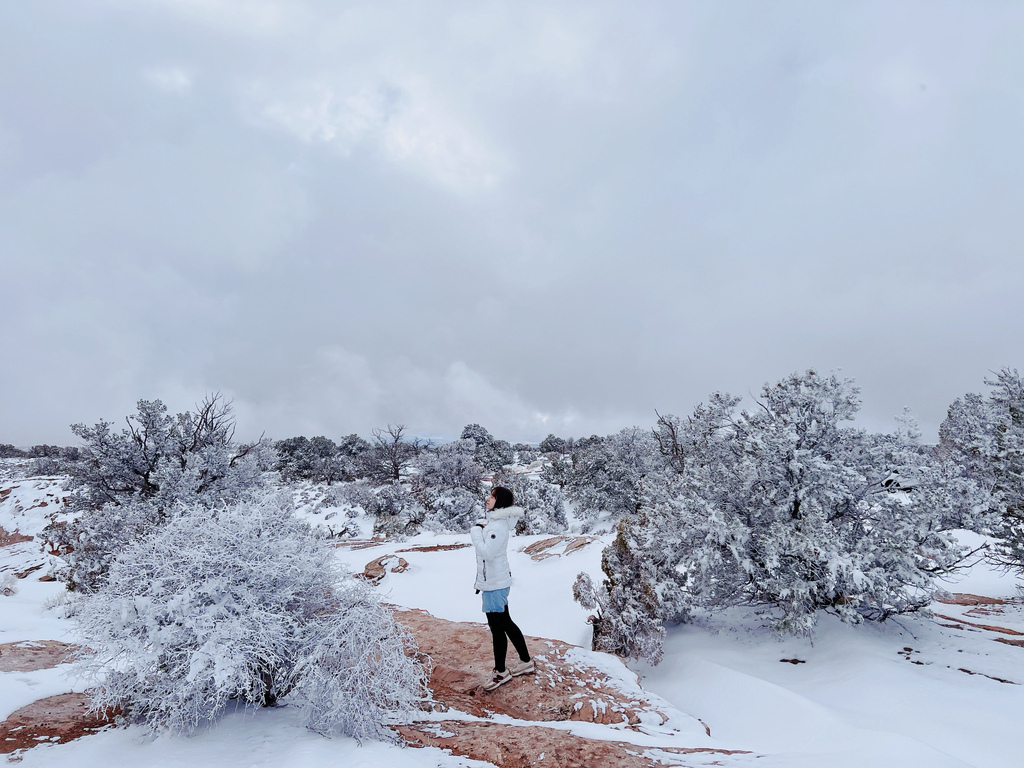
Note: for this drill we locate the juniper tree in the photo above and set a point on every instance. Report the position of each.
(986, 436)
(781, 507)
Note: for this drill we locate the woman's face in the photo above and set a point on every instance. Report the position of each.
(489, 503)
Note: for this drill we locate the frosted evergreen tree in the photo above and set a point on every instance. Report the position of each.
(492, 454)
(318, 459)
(603, 475)
(781, 507)
(544, 504)
(986, 436)
(447, 481)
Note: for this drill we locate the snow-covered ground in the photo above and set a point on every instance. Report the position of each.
(857, 697)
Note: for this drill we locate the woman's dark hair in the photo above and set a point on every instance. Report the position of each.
(502, 497)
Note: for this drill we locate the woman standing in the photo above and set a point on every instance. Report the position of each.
(493, 579)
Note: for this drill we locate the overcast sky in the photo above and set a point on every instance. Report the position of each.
(542, 217)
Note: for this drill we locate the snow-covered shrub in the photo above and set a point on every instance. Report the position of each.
(357, 670)
(357, 495)
(453, 511)
(8, 585)
(985, 436)
(237, 602)
(133, 479)
(490, 453)
(602, 475)
(782, 508)
(544, 505)
(90, 544)
(398, 512)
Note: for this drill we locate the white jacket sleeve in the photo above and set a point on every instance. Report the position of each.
(491, 540)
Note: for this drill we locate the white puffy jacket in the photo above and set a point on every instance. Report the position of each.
(491, 543)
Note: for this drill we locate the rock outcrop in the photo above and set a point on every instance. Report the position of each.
(530, 746)
(564, 687)
(53, 719)
(30, 655)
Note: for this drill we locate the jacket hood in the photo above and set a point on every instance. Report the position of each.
(500, 514)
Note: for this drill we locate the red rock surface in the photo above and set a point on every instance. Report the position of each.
(376, 570)
(30, 655)
(526, 746)
(966, 598)
(12, 538)
(559, 690)
(53, 719)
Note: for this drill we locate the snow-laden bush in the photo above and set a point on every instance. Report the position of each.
(985, 436)
(782, 508)
(90, 544)
(243, 602)
(602, 475)
(131, 481)
(544, 505)
(398, 512)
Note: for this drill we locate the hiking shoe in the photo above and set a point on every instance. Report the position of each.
(497, 678)
(523, 668)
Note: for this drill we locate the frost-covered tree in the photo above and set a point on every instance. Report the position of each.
(447, 481)
(318, 459)
(986, 437)
(448, 466)
(353, 450)
(781, 507)
(490, 453)
(602, 476)
(132, 479)
(243, 602)
(552, 444)
(545, 507)
(398, 512)
(390, 454)
(165, 459)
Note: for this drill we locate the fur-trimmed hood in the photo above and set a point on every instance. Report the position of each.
(506, 512)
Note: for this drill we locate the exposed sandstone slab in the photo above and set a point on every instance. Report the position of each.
(376, 570)
(30, 655)
(54, 719)
(564, 687)
(526, 746)
(966, 598)
(7, 538)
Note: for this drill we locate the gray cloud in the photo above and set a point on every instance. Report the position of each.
(541, 218)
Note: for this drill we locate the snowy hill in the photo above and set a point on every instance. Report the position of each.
(937, 691)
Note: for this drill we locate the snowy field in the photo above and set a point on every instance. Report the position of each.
(922, 691)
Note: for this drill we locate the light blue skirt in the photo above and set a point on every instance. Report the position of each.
(495, 600)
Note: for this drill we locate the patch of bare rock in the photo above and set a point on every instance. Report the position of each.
(376, 570)
(562, 688)
(55, 719)
(566, 687)
(966, 598)
(545, 548)
(6, 538)
(30, 655)
(526, 746)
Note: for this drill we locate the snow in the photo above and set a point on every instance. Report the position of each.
(858, 699)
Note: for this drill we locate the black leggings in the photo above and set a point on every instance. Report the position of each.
(502, 626)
